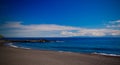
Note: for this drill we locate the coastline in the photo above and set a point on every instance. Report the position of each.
(104, 54)
(19, 56)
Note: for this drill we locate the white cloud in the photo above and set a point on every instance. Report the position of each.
(36, 27)
(114, 24)
(12, 25)
(17, 29)
(93, 32)
(118, 21)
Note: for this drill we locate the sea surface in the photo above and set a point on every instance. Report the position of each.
(97, 45)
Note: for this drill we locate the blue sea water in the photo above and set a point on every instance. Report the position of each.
(107, 45)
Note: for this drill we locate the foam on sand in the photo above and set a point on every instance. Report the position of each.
(106, 54)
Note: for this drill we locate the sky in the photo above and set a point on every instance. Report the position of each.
(59, 18)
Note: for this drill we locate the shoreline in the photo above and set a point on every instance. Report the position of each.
(94, 53)
(19, 56)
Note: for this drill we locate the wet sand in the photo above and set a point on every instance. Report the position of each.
(17, 56)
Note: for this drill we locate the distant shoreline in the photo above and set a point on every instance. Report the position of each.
(25, 41)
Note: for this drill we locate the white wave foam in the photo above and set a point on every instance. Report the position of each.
(105, 54)
(11, 44)
(61, 51)
(24, 48)
(65, 52)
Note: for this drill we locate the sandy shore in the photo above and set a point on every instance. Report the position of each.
(16, 56)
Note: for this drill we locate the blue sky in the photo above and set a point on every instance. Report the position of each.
(86, 14)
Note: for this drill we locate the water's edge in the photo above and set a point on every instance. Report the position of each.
(104, 54)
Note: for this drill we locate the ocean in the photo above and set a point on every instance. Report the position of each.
(88, 45)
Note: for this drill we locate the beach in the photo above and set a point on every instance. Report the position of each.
(18, 56)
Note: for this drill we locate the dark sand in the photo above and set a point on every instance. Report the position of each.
(15, 56)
